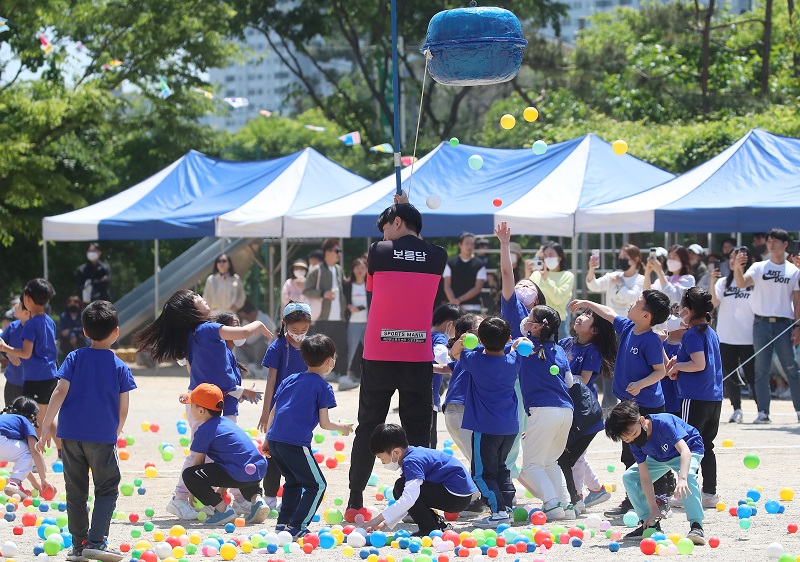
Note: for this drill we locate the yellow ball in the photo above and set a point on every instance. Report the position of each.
(150, 472)
(619, 147)
(721, 506)
(178, 552)
(339, 456)
(158, 536)
(674, 538)
(246, 546)
(390, 558)
(347, 550)
(787, 494)
(143, 545)
(530, 114)
(3, 482)
(372, 558)
(426, 542)
(177, 531)
(727, 443)
(195, 538)
(338, 535)
(759, 488)
(170, 559)
(145, 426)
(507, 121)
(228, 551)
(121, 516)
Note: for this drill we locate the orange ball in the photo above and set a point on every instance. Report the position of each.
(124, 455)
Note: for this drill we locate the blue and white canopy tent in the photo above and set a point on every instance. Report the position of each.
(539, 194)
(749, 187)
(188, 199)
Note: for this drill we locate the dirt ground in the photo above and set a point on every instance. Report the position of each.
(777, 445)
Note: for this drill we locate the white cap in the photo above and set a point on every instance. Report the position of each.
(696, 249)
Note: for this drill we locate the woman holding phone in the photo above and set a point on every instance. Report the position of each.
(622, 286)
(679, 278)
(555, 281)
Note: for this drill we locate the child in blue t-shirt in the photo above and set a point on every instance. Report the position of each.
(660, 443)
(697, 371)
(38, 351)
(183, 331)
(429, 479)
(12, 335)
(443, 328)
(92, 396)
(490, 413)
(639, 366)
(18, 446)
(237, 462)
(591, 354)
(302, 402)
(233, 399)
(282, 359)
(669, 388)
(545, 378)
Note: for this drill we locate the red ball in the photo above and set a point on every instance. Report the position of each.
(18, 530)
(365, 513)
(540, 537)
(451, 536)
(379, 497)
(563, 538)
(548, 543)
(451, 517)
(539, 518)
(312, 539)
(500, 541)
(149, 463)
(492, 552)
(27, 502)
(350, 516)
(469, 542)
(49, 493)
(497, 202)
(148, 556)
(442, 558)
(463, 552)
(511, 549)
(133, 517)
(175, 541)
(29, 519)
(121, 443)
(338, 445)
(124, 547)
(349, 528)
(733, 510)
(154, 427)
(308, 548)
(713, 542)
(228, 498)
(319, 457)
(792, 528)
(648, 546)
(331, 462)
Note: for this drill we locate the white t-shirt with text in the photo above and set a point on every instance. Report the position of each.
(735, 314)
(773, 288)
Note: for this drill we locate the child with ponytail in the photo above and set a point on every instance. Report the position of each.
(698, 371)
(18, 446)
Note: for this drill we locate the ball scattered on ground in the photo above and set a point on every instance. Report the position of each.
(630, 519)
(751, 460)
(787, 494)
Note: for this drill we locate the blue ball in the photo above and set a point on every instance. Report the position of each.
(781, 508)
(436, 533)
(744, 511)
(38, 549)
(364, 553)
(448, 452)
(613, 546)
(377, 539)
(230, 527)
(142, 491)
(403, 543)
(524, 348)
(485, 549)
(44, 508)
(316, 518)
(58, 467)
(754, 495)
(414, 547)
(67, 539)
(10, 507)
(9, 516)
(576, 542)
(772, 506)
(272, 548)
(531, 547)
(502, 527)
(62, 506)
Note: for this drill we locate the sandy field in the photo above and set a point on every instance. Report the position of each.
(777, 445)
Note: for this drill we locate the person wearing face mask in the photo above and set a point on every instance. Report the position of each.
(93, 278)
(302, 401)
(252, 350)
(292, 289)
(70, 328)
(429, 479)
(680, 275)
(556, 282)
(699, 268)
(623, 286)
(283, 358)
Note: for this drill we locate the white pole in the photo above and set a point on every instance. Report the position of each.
(44, 258)
(271, 284)
(156, 269)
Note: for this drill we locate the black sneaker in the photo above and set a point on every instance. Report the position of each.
(356, 500)
(297, 533)
(638, 532)
(696, 534)
(76, 554)
(620, 510)
(101, 552)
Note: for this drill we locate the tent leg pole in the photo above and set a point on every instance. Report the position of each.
(396, 96)
(271, 274)
(44, 259)
(284, 258)
(575, 268)
(156, 269)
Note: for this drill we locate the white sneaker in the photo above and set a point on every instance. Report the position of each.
(493, 521)
(580, 507)
(570, 512)
(762, 419)
(181, 509)
(736, 417)
(346, 383)
(241, 507)
(709, 501)
(555, 513)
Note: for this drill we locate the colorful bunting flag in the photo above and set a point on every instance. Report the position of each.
(314, 128)
(385, 148)
(351, 139)
(206, 93)
(46, 46)
(408, 160)
(165, 91)
(3, 26)
(265, 112)
(236, 103)
(113, 63)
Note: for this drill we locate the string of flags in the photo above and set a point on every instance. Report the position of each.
(265, 112)
(351, 139)
(384, 148)
(46, 46)
(314, 128)
(165, 91)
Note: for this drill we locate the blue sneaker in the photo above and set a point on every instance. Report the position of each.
(220, 518)
(280, 527)
(297, 533)
(594, 498)
(259, 510)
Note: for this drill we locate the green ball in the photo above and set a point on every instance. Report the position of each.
(744, 523)
(319, 438)
(611, 468)
(51, 529)
(127, 489)
(61, 520)
(129, 440)
(136, 533)
(786, 557)
(191, 548)
(149, 526)
(201, 516)
(136, 553)
(454, 142)
(137, 482)
(470, 341)
(751, 460)
(685, 546)
(520, 514)
(554, 370)
(52, 547)
(184, 441)
(149, 511)
(36, 502)
(338, 501)
(649, 532)
(273, 514)
(167, 454)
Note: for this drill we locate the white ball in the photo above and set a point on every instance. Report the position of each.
(294, 548)
(356, 539)
(672, 549)
(444, 546)
(9, 549)
(433, 202)
(774, 550)
(593, 521)
(284, 537)
(162, 550)
(42, 556)
(270, 538)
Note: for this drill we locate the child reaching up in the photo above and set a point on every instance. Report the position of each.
(184, 331)
(660, 443)
(282, 359)
(302, 402)
(18, 446)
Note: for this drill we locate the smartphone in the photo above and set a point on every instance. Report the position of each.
(712, 265)
(743, 250)
(537, 264)
(595, 254)
(653, 253)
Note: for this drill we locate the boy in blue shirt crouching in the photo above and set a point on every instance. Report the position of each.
(237, 462)
(660, 443)
(92, 395)
(302, 401)
(429, 480)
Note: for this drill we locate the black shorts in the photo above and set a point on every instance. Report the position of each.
(11, 392)
(41, 391)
